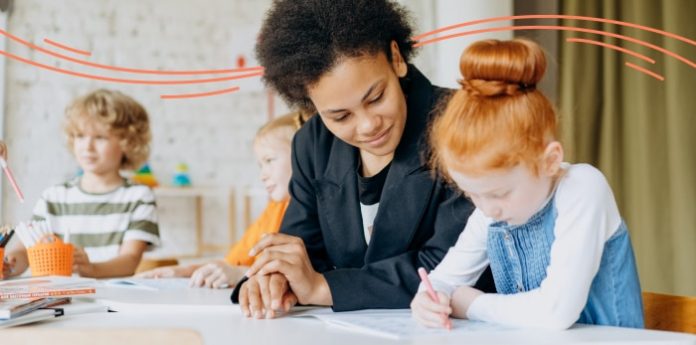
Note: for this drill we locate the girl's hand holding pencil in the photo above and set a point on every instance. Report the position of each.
(431, 308)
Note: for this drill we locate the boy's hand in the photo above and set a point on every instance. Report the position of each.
(81, 263)
(165, 272)
(430, 313)
(8, 267)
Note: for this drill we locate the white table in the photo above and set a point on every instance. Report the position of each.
(210, 313)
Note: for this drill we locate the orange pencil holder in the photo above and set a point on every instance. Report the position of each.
(51, 257)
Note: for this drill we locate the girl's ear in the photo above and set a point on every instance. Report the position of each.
(552, 159)
(397, 60)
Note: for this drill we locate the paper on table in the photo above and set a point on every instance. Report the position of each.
(391, 323)
(150, 284)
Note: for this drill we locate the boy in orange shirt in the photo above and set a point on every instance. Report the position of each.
(272, 151)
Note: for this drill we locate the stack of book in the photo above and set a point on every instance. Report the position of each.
(34, 299)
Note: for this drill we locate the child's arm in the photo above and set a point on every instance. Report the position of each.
(217, 274)
(122, 265)
(466, 260)
(16, 260)
(587, 217)
(170, 272)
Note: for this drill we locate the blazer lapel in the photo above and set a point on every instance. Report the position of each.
(339, 206)
(409, 183)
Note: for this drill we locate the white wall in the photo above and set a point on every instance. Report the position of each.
(449, 12)
(213, 135)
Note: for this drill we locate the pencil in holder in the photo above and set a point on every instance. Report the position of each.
(50, 257)
(2, 258)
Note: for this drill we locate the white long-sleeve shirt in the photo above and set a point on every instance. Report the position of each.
(587, 216)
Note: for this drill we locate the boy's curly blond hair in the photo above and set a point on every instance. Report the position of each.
(125, 117)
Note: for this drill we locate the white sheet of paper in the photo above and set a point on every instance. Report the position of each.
(391, 323)
(150, 284)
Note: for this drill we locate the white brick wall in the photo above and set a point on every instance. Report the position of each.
(212, 135)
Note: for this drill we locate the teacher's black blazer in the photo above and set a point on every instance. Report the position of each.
(419, 217)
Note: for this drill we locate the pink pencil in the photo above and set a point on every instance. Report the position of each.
(424, 278)
(10, 177)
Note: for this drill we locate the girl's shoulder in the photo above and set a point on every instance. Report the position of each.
(581, 173)
(582, 176)
(583, 185)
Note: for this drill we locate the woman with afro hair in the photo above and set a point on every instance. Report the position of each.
(366, 210)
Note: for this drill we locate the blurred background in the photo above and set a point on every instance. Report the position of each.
(639, 130)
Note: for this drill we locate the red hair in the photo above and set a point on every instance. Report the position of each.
(498, 119)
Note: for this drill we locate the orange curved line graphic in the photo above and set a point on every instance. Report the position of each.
(62, 46)
(124, 69)
(129, 81)
(556, 16)
(611, 46)
(648, 72)
(203, 94)
(562, 28)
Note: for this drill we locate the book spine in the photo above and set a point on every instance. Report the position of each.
(18, 295)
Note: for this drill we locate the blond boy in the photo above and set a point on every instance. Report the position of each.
(110, 220)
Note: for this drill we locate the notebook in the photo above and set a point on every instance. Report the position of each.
(55, 307)
(34, 316)
(46, 287)
(18, 307)
(391, 323)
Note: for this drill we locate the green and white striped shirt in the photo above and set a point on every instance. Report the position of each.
(100, 222)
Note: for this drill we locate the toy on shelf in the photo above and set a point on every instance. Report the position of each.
(181, 177)
(145, 176)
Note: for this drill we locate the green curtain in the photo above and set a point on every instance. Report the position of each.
(639, 131)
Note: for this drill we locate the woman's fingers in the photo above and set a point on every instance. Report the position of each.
(292, 253)
(273, 240)
(278, 286)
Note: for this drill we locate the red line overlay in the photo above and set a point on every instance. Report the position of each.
(129, 81)
(611, 46)
(556, 16)
(203, 94)
(124, 69)
(648, 72)
(562, 28)
(62, 46)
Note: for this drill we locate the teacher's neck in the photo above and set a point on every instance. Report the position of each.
(373, 164)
